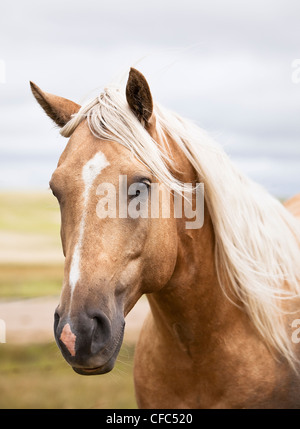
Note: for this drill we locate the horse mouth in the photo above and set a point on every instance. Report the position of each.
(108, 365)
(93, 371)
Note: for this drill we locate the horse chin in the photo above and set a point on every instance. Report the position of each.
(107, 367)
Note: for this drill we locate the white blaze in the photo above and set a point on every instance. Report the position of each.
(90, 171)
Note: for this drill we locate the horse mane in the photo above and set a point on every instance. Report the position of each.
(257, 251)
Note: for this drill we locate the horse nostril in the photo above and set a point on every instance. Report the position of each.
(56, 320)
(101, 332)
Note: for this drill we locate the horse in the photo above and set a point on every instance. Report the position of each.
(223, 296)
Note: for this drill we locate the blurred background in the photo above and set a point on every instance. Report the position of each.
(230, 66)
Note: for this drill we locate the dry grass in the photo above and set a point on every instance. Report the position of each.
(30, 280)
(37, 377)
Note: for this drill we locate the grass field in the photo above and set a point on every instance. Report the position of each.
(29, 225)
(37, 377)
(30, 213)
(30, 280)
(31, 265)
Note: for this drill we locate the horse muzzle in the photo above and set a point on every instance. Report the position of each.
(90, 342)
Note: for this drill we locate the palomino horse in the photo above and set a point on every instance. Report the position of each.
(224, 296)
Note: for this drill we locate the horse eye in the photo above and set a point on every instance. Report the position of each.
(137, 188)
(141, 187)
(147, 183)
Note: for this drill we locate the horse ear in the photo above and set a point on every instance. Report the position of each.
(139, 97)
(59, 109)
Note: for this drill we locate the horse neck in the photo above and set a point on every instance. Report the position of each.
(192, 305)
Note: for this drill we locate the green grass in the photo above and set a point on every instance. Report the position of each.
(35, 213)
(37, 377)
(30, 280)
(29, 215)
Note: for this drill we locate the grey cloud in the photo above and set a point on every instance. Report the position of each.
(227, 65)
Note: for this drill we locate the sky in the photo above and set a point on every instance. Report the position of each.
(228, 65)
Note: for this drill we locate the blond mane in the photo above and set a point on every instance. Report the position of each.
(257, 240)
